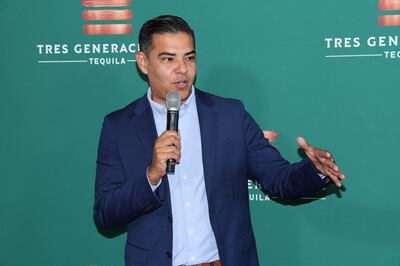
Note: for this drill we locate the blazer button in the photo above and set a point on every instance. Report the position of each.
(169, 219)
(168, 254)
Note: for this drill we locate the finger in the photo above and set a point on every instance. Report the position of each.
(304, 145)
(270, 135)
(176, 155)
(328, 168)
(335, 179)
(175, 142)
(323, 154)
(169, 149)
(168, 133)
(168, 140)
(329, 164)
(339, 175)
(162, 159)
(330, 156)
(327, 160)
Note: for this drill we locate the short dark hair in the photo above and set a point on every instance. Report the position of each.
(160, 25)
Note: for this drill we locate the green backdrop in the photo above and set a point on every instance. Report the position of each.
(270, 54)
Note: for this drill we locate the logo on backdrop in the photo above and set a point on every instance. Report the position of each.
(389, 20)
(381, 46)
(257, 195)
(108, 18)
(97, 13)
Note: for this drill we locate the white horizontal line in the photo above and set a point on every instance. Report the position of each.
(314, 198)
(133, 60)
(354, 55)
(305, 198)
(63, 61)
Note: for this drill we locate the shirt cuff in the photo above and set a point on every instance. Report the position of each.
(325, 178)
(322, 176)
(153, 187)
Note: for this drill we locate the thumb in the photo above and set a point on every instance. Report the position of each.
(303, 143)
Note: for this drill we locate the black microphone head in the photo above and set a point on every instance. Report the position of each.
(173, 101)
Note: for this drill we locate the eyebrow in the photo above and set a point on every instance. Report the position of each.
(191, 52)
(166, 53)
(173, 54)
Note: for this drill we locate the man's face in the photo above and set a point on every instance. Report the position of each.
(170, 65)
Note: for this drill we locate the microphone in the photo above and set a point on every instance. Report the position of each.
(173, 103)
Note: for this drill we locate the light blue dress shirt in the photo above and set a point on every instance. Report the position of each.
(193, 238)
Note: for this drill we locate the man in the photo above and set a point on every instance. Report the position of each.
(199, 215)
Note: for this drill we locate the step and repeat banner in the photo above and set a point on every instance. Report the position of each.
(325, 70)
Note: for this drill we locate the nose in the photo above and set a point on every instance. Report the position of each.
(181, 67)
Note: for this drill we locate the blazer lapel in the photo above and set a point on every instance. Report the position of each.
(143, 123)
(207, 115)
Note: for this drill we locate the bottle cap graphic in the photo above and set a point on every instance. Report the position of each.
(108, 17)
(389, 20)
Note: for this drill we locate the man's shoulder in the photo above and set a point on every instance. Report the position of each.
(217, 100)
(129, 111)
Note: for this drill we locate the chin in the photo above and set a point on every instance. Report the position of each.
(185, 93)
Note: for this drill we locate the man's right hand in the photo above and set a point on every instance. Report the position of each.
(167, 146)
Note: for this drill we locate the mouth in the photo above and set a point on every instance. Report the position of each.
(181, 84)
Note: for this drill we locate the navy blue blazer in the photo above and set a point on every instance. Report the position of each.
(234, 149)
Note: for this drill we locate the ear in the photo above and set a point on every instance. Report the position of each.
(142, 62)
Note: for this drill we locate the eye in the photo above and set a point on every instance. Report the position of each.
(167, 59)
(191, 58)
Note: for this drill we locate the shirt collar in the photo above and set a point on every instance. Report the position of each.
(161, 111)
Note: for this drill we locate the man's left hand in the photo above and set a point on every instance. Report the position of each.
(270, 135)
(323, 161)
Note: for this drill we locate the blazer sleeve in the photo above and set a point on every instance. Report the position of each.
(275, 174)
(118, 200)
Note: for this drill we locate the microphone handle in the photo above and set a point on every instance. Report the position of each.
(172, 124)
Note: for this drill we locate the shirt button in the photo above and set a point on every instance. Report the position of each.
(184, 177)
(168, 254)
(190, 231)
(192, 258)
(187, 204)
